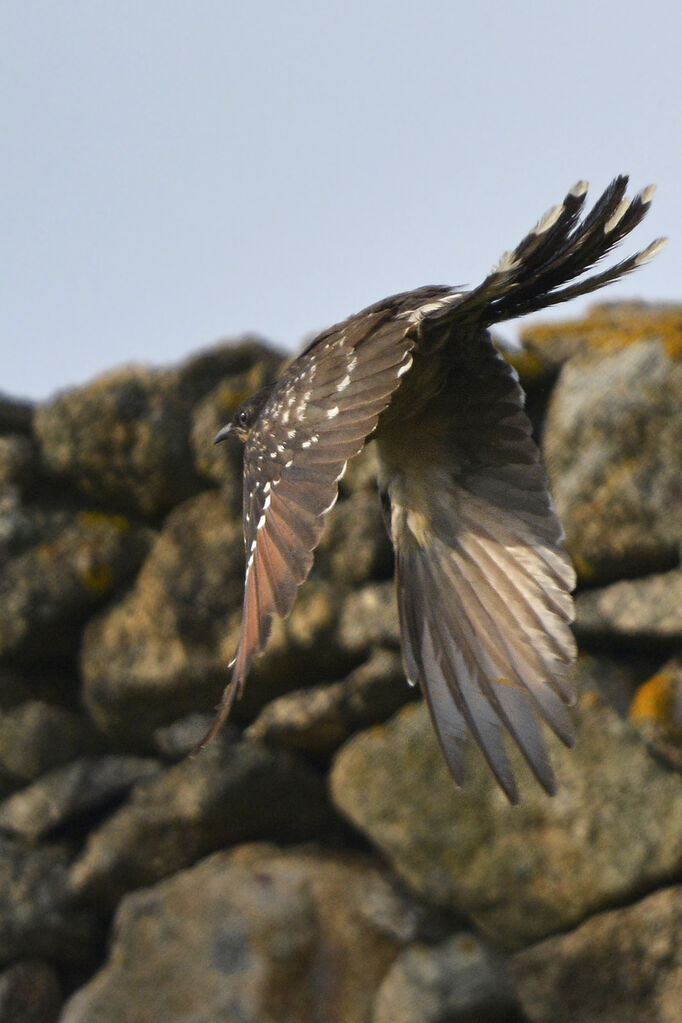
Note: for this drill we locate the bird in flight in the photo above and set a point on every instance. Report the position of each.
(483, 582)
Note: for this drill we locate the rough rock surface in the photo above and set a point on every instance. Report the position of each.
(458, 981)
(39, 914)
(48, 591)
(617, 966)
(318, 719)
(635, 610)
(36, 736)
(520, 873)
(231, 792)
(124, 439)
(29, 992)
(69, 792)
(254, 934)
(612, 443)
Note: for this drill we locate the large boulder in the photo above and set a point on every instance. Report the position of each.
(232, 792)
(520, 873)
(252, 935)
(621, 965)
(124, 439)
(612, 444)
(60, 567)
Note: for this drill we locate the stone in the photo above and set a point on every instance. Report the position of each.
(457, 981)
(355, 546)
(163, 651)
(645, 611)
(48, 591)
(613, 831)
(179, 739)
(30, 992)
(612, 439)
(36, 736)
(229, 793)
(625, 964)
(317, 720)
(123, 440)
(254, 934)
(66, 793)
(608, 327)
(369, 619)
(39, 914)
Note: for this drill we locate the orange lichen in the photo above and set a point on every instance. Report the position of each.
(653, 700)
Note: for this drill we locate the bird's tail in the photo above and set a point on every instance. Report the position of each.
(559, 249)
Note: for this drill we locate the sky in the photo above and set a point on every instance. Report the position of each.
(181, 172)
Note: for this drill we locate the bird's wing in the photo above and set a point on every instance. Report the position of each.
(321, 411)
(483, 583)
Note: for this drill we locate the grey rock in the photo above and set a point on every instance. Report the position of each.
(229, 793)
(458, 981)
(47, 591)
(39, 915)
(123, 439)
(623, 965)
(355, 546)
(647, 610)
(36, 736)
(613, 830)
(29, 993)
(68, 792)
(252, 935)
(612, 440)
(162, 652)
(177, 740)
(317, 720)
(369, 619)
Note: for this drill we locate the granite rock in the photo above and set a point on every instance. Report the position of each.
(612, 439)
(613, 830)
(229, 793)
(254, 934)
(621, 965)
(69, 792)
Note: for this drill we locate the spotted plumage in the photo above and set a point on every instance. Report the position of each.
(483, 583)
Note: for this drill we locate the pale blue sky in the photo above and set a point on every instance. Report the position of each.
(182, 171)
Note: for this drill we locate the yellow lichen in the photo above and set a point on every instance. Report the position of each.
(614, 327)
(653, 700)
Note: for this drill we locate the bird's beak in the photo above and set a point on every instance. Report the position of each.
(223, 434)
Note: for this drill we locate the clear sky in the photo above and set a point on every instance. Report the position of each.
(176, 172)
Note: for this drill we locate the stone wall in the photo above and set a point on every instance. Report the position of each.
(316, 862)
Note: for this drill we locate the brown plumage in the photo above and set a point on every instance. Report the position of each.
(483, 583)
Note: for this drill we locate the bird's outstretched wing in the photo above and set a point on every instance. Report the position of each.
(483, 583)
(317, 417)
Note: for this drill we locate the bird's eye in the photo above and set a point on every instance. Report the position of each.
(243, 418)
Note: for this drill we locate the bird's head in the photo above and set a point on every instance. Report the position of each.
(244, 418)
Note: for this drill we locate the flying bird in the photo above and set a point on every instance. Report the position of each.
(483, 582)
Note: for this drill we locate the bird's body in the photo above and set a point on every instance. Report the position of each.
(483, 584)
